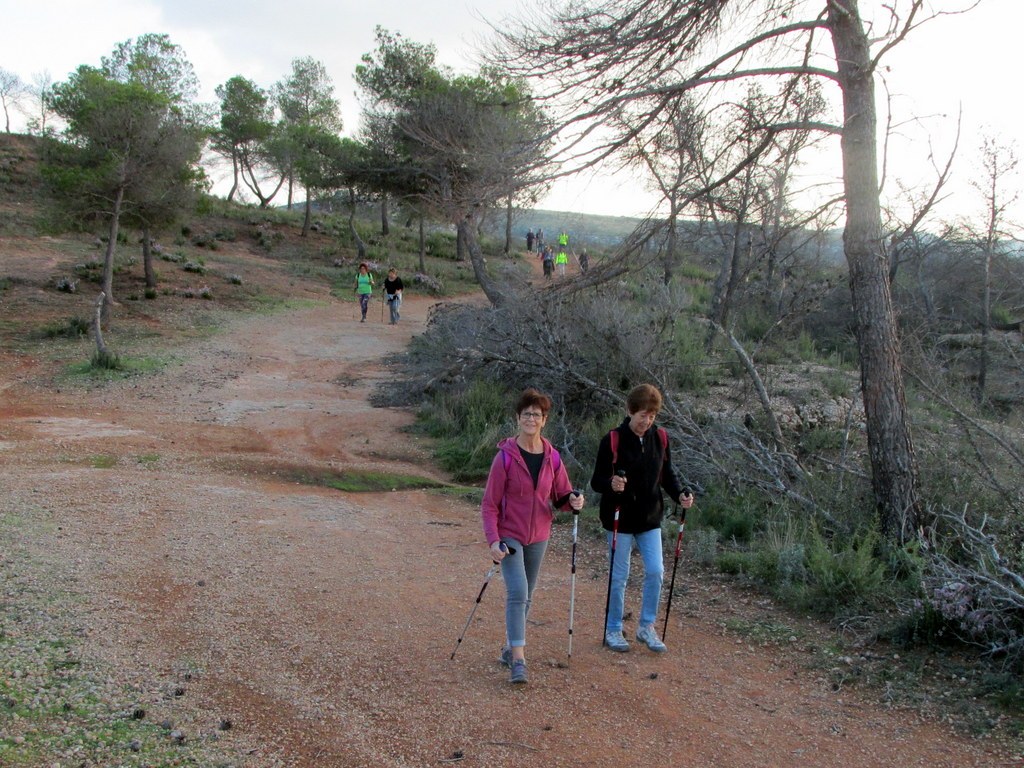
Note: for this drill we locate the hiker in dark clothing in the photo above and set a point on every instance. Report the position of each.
(641, 450)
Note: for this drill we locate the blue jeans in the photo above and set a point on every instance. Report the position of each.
(649, 545)
(393, 306)
(520, 572)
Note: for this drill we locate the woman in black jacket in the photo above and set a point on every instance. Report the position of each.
(633, 466)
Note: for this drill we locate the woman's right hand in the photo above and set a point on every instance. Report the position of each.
(618, 483)
(498, 551)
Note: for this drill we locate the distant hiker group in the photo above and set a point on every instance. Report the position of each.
(528, 483)
(554, 258)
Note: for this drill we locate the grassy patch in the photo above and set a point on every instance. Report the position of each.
(102, 461)
(351, 480)
(127, 366)
(265, 304)
(71, 328)
(762, 632)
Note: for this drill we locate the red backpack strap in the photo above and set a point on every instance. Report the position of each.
(613, 440)
(663, 439)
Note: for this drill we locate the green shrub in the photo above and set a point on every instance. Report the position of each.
(805, 347)
(821, 440)
(107, 361)
(468, 425)
(1002, 315)
(753, 322)
(734, 517)
(733, 563)
(845, 574)
(836, 384)
(441, 245)
(72, 328)
(690, 356)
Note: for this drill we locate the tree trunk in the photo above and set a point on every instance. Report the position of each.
(291, 188)
(308, 217)
(490, 289)
(670, 245)
(385, 225)
(894, 471)
(986, 315)
(234, 177)
(737, 265)
(460, 243)
(108, 259)
(423, 245)
(986, 289)
(360, 245)
(508, 226)
(147, 258)
(97, 326)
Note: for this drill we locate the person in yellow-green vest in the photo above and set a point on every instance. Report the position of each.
(560, 261)
(563, 241)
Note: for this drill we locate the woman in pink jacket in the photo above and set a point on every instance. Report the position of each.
(526, 484)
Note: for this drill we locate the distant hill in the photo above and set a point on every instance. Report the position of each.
(589, 230)
(584, 229)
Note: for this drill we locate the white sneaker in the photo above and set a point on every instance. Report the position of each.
(649, 636)
(616, 641)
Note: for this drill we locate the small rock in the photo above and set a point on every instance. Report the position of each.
(178, 737)
(225, 724)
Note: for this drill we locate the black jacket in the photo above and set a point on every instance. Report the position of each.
(648, 470)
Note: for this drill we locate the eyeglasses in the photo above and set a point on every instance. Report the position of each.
(531, 416)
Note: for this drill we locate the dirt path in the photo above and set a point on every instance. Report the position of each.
(321, 623)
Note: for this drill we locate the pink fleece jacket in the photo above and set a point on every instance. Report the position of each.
(512, 507)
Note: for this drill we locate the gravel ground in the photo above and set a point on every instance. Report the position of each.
(171, 596)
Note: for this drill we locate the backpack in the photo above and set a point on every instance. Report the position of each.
(613, 439)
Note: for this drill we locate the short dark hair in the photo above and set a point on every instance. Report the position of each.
(532, 397)
(643, 397)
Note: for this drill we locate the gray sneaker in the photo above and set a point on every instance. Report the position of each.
(518, 673)
(649, 636)
(616, 641)
(505, 659)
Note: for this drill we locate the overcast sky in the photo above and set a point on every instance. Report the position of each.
(969, 62)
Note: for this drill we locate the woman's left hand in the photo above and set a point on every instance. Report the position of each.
(576, 501)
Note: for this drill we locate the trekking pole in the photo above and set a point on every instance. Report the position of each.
(382, 307)
(479, 597)
(611, 568)
(675, 563)
(572, 578)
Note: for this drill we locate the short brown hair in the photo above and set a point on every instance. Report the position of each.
(532, 397)
(643, 397)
